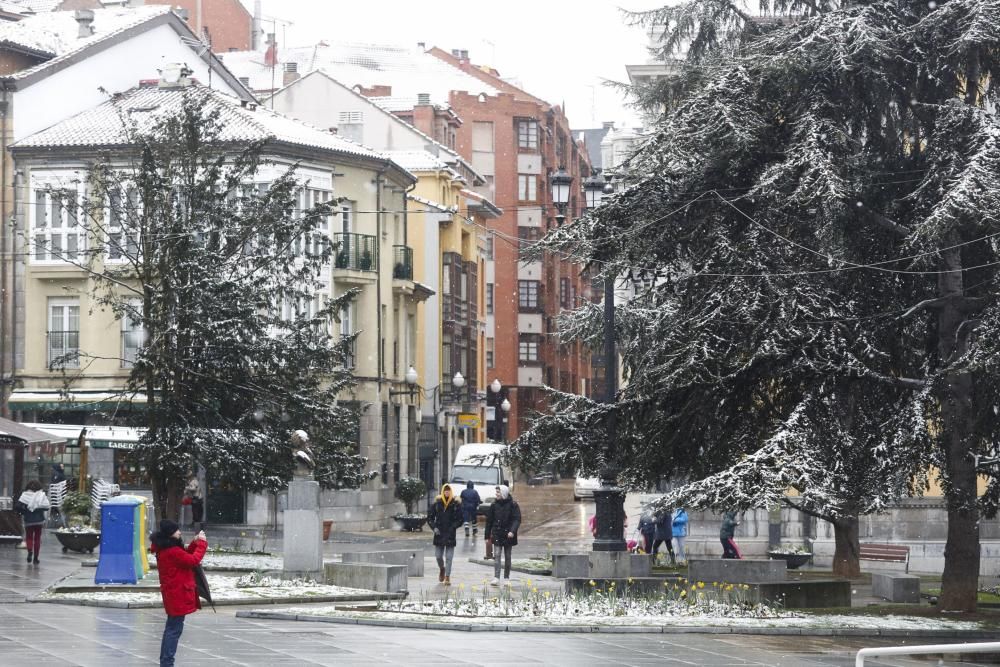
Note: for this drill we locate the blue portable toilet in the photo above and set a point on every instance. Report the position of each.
(119, 561)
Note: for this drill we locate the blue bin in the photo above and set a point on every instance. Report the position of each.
(119, 561)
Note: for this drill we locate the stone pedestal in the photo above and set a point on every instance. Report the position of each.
(736, 570)
(896, 587)
(600, 565)
(303, 536)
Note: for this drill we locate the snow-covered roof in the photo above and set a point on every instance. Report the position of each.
(421, 161)
(432, 204)
(55, 34)
(102, 125)
(409, 71)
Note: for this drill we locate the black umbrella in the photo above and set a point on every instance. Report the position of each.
(201, 585)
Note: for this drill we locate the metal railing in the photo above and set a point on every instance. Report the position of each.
(358, 252)
(927, 649)
(63, 348)
(402, 262)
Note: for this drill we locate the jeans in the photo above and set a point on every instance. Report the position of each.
(33, 538)
(507, 548)
(444, 557)
(469, 516)
(171, 635)
(680, 548)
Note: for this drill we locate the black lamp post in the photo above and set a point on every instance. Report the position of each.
(560, 182)
(500, 411)
(609, 498)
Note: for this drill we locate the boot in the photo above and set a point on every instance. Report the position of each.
(447, 580)
(29, 556)
(36, 559)
(441, 574)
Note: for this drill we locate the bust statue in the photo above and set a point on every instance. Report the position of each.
(302, 454)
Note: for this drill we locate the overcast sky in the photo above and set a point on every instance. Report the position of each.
(560, 50)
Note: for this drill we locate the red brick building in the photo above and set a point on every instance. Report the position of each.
(225, 24)
(517, 140)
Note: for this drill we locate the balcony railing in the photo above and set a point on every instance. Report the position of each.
(402, 262)
(358, 252)
(63, 349)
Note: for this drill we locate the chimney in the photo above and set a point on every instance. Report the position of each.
(255, 37)
(85, 21)
(291, 73)
(423, 99)
(464, 54)
(422, 46)
(456, 53)
(175, 75)
(608, 124)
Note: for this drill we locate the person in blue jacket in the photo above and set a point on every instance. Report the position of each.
(470, 507)
(680, 526)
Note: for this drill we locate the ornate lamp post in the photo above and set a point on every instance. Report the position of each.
(500, 411)
(560, 183)
(609, 498)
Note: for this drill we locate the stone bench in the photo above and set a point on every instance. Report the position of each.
(896, 587)
(803, 593)
(600, 565)
(369, 576)
(413, 560)
(737, 570)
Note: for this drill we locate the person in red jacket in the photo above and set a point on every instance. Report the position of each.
(175, 565)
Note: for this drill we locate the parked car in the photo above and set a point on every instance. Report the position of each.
(583, 487)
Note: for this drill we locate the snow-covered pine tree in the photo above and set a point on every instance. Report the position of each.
(221, 274)
(821, 205)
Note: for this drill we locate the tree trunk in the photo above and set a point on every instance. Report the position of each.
(960, 580)
(846, 554)
(167, 493)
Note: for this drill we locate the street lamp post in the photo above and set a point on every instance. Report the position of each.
(609, 498)
(500, 411)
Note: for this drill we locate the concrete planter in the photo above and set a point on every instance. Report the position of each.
(78, 542)
(792, 561)
(410, 523)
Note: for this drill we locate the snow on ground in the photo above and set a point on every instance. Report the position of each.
(223, 589)
(798, 620)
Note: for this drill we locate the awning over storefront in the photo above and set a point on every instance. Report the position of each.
(98, 437)
(30, 436)
(72, 400)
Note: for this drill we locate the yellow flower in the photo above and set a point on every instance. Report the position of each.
(630, 580)
(694, 588)
(701, 584)
(684, 594)
(593, 583)
(527, 582)
(534, 590)
(611, 585)
(547, 594)
(667, 583)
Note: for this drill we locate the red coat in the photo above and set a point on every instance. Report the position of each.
(175, 566)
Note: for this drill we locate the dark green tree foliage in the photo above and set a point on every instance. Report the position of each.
(223, 273)
(820, 205)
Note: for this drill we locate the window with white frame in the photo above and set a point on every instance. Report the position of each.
(58, 231)
(121, 224)
(527, 134)
(527, 349)
(527, 293)
(489, 298)
(346, 330)
(490, 343)
(133, 333)
(63, 332)
(527, 187)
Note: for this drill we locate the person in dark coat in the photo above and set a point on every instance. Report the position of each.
(647, 528)
(444, 519)
(663, 534)
(470, 507)
(502, 523)
(58, 474)
(175, 565)
(32, 505)
(726, 534)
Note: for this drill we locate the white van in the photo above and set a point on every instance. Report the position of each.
(482, 464)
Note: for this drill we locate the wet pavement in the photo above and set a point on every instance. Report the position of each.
(57, 635)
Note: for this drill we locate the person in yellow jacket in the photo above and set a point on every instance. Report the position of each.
(444, 519)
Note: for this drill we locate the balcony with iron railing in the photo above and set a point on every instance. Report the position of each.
(356, 252)
(63, 349)
(402, 262)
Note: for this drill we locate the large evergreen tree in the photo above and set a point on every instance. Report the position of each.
(221, 275)
(819, 204)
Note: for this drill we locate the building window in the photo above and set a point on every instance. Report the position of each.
(527, 293)
(346, 330)
(64, 333)
(133, 333)
(121, 219)
(489, 353)
(527, 350)
(56, 232)
(489, 246)
(527, 134)
(489, 298)
(527, 187)
(346, 217)
(564, 294)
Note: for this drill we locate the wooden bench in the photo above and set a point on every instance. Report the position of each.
(886, 553)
